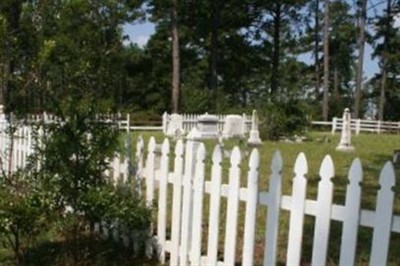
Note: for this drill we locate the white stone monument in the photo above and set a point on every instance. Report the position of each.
(345, 139)
(234, 126)
(207, 126)
(254, 138)
(175, 125)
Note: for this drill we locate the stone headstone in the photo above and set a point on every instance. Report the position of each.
(207, 126)
(175, 125)
(234, 126)
(345, 139)
(254, 137)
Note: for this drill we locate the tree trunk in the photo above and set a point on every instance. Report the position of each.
(382, 92)
(360, 64)
(276, 53)
(385, 62)
(213, 85)
(316, 50)
(175, 59)
(336, 83)
(325, 107)
(13, 18)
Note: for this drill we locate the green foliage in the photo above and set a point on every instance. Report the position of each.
(284, 119)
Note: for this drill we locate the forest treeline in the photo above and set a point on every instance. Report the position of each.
(205, 55)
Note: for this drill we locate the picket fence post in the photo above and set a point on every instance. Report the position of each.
(383, 214)
(162, 201)
(187, 210)
(323, 216)
(139, 170)
(297, 209)
(352, 214)
(215, 199)
(232, 208)
(198, 194)
(176, 202)
(150, 171)
(272, 221)
(251, 208)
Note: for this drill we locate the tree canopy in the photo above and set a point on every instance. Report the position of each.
(233, 55)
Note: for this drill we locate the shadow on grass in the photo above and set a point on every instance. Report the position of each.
(84, 250)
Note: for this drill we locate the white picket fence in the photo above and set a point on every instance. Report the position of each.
(190, 187)
(359, 125)
(15, 151)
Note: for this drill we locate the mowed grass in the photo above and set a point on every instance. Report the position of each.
(372, 149)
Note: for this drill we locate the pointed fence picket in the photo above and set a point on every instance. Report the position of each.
(232, 208)
(162, 201)
(176, 202)
(272, 221)
(352, 218)
(198, 194)
(297, 211)
(384, 212)
(251, 208)
(323, 217)
(190, 186)
(215, 199)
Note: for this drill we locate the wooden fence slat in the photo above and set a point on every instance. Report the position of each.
(215, 198)
(150, 171)
(297, 211)
(198, 194)
(176, 203)
(232, 208)
(384, 212)
(272, 221)
(323, 217)
(251, 208)
(191, 147)
(352, 217)
(139, 171)
(162, 201)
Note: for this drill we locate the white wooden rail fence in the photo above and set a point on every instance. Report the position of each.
(359, 125)
(190, 186)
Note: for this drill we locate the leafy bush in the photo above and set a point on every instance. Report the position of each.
(284, 119)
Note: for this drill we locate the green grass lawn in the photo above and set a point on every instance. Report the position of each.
(372, 149)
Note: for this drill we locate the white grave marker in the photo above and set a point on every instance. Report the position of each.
(234, 126)
(345, 139)
(175, 125)
(207, 126)
(254, 138)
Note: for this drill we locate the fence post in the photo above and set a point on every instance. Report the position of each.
(232, 208)
(162, 201)
(215, 199)
(379, 127)
(251, 208)
(176, 203)
(128, 122)
(165, 122)
(351, 219)
(383, 214)
(358, 126)
(187, 209)
(297, 211)
(323, 216)
(334, 125)
(272, 220)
